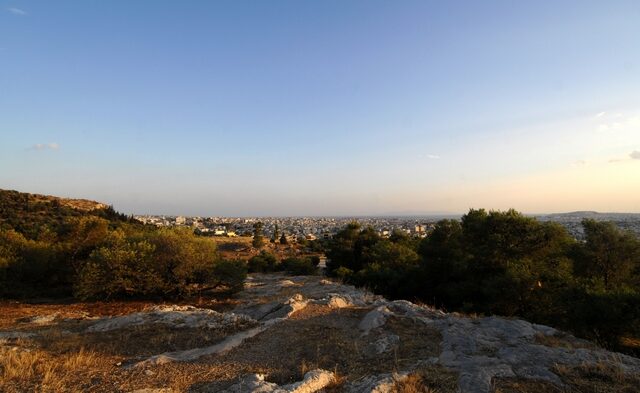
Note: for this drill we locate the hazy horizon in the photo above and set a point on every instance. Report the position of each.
(299, 108)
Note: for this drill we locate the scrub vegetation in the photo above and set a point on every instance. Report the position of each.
(51, 247)
(504, 263)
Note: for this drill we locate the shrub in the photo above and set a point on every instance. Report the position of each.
(299, 266)
(121, 268)
(165, 263)
(344, 274)
(185, 261)
(31, 267)
(315, 260)
(262, 263)
(229, 274)
(508, 264)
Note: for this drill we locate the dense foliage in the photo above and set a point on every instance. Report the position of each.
(266, 262)
(507, 264)
(47, 249)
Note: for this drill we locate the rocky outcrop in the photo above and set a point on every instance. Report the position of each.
(312, 382)
(176, 316)
(279, 315)
(284, 311)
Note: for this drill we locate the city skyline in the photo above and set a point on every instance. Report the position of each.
(323, 108)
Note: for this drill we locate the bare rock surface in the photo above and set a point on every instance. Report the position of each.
(313, 381)
(292, 305)
(177, 316)
(383, 383)
(15, 335)
(479, 349)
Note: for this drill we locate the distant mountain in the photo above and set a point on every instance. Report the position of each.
(29, 213)
(591, 214)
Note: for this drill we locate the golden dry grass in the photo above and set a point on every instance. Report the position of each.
(35, 370)
(599, 378)
(562, 340)
(587, 378)
(135, 341)
(433, 379)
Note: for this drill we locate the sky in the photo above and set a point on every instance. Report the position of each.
(299, 108)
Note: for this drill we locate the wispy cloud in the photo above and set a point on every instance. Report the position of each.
(45, 146)
(609, 122)
(634, 155)
(433, 156)
(579, 163)
(17, 11)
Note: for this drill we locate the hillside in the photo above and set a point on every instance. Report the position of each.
(29, 213)
(295, 334)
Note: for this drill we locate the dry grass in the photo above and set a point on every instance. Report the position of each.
(135, 341)
(588, 378)
(15, 314)
(562, 340)
(599, 378)
(320, 337)
(433, 379)
(516, 385)
(35, 370)
(631, 345)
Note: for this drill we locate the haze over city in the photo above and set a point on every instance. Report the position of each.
(323, 108)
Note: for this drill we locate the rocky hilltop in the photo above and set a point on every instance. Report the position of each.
(310, 334)
(29, 213)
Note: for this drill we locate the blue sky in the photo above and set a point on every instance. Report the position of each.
(323, 108)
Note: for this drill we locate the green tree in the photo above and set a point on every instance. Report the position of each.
(299, 266)
(118, 269)
(608, 255)
(390, 269)
(185, 261)
(283, 239)
(229, 274)
(340, 250)
(349, 248)
(85, 234)
(263, 262)
(258, 238)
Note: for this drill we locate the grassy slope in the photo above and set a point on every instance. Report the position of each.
(30, 213)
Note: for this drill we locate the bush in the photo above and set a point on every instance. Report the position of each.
(185, 261)
(299, 266)
(31, 267)
(159, 263)
(603, 316)
(230, 274)
(263, 263)
(47, 249)
(121, 268)
(315, 260)
(344, 274)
